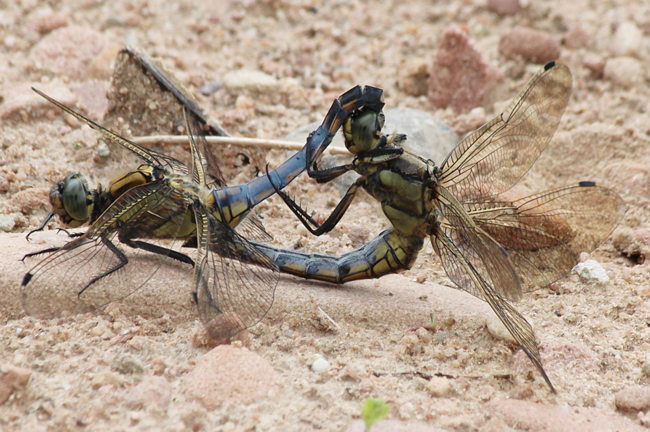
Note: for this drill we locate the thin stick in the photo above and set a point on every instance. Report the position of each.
(328, 317)
(244, 142)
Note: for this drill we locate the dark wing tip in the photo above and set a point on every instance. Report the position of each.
(587, 184)
(549, 65)
(26, 279)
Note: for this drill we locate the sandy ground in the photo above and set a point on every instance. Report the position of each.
(85, 369)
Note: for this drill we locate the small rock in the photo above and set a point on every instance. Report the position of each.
(12, 378)
(497, 329)
(645, 368)
(127, 364)
(251, 80)
(624, 71)
(353, 372)
(44, 22)
(319, 365)
(504, 7)
(68, 50)
(591, 271)
(413, 77)
(537, 417)
(438, 386)
(32, 199)
(211, 87)
(634, 243)
(152, 391)
(103, 378)
(92, 99)
(461, 77)
(7, 222)
(633, 398)
(627, 40)
(101, 66)
(20, 103)
(229, 374)
(532, 45)
(576, 38)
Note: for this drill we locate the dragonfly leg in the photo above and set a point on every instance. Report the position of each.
(350, 101)
(120, 256)
(138, 244)
(41, 227)
(333, 219)
(44, 251)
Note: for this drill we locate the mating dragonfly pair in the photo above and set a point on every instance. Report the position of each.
(490, 247)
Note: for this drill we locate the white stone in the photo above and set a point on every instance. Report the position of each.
(624, 71)
(7, 222)
(627, 40)
(592, 272)
(320, 365)
(249, 80)
(497, 329)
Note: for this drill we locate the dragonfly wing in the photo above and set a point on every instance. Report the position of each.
(495, 156)
(486, 256)
(234, 281)
(545, 233)
(91, 271)
(478, 265)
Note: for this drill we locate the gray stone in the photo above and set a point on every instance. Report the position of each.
(7, 222)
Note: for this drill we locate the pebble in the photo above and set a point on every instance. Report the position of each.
(12, 378)
(413, 77)
(69, 50)
(233, 375)
(320, 365)
(127, 364)
(591, 271)
(627, 40)
(576, 37)
(29, 200)
(633, 398)
(7, 222)
(504, 7)
(251, 80)
(211, 87)
(633, 242)
(438, 386)
(537, 417)
(532, 45)
(461, 77)
(44, 22)
(497, 329)
(645, 368)
(624, 71)
(152, 391)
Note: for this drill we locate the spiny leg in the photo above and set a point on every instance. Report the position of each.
(333, 218)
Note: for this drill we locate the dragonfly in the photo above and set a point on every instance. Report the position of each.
(151, 212)
(491, 247)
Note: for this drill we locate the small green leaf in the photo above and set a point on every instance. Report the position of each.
(373, 411)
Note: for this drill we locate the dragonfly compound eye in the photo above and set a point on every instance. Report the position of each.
(73, 198)
(364, 131)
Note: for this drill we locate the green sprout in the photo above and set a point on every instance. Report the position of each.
(373, 410)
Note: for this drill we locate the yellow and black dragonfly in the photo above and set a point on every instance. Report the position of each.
(148, 214)
(491, 247)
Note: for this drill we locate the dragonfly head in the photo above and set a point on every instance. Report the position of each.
(362, 131)
(72, 200)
